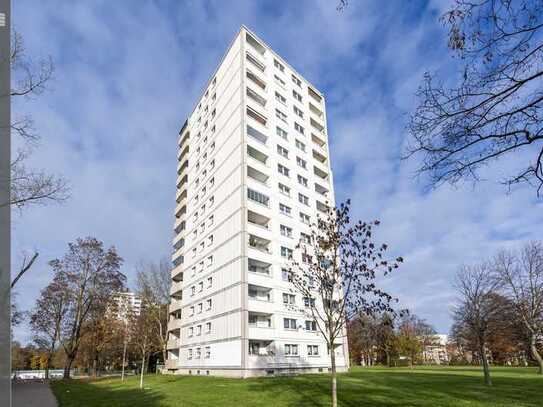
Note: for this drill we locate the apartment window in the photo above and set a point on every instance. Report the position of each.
(210, 220)
(280, 115)
(302, 181)
(213, 113)
(212, 146)
(278, 65)
(209, 282)
(211, 201)
(299, 128)
(284, 189)
(193, 272)
(298, 112)
(281, 133)
(312, 350)
(301, 162)
(286, 275)
(204, 190)
(296, 80)
(283, 170)
(199, 330)
(202, 246)
(191, 311)
(212, 164)
(282, 151)
(310, 325)
(253, 114)
(189, 354)
(212, 182)
(289, 323)
(296, 95)
(256, 97)
(303, 199)
(280, 98)
(191, 331)
(200, 286)
(192, 290)
(284, 209)
(300, 145)
(305, 238)
(285, 231)
(286, 252)
(279, 81)
(208, 327)
(258, 197)
(201, 266)
(200, 308)
(309, 302)
(208, 304)
(207, 352)
(305, 218)
(202, 227)
(256, 80)
(198, 353)
(291, 350)
(210, 240)
(209, 261)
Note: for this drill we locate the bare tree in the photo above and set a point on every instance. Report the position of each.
(92, 276)
(47, 317)
(495, 109)
(335, 269)
(520, 275)
(478, 311)
(153, 282)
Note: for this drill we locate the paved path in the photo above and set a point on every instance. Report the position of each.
(32, 394)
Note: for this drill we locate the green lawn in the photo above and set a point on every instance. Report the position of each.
(375, 387)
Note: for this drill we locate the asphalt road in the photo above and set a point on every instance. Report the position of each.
(31, 394)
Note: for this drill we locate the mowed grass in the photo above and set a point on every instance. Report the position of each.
(375, 387)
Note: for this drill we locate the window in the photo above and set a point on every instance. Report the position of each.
(256, 97)
(209, 261)
(289, 323)
(212, 164)
(256, 80)
(286, 252)
(303, 199)
(191, 331)
(286, 275)
(200, 308)
(193, 271)
(284, 209)
(192, 290)
(280, 115)
(298, 112)
(199, 330)
(200, 286)
(191, 311)
(310, 325)
(285, 231)
(302, 181)
(312, 350)
(209, 282)
(280, 98)
(210, 240)
(208, 304)
(299, 128)
(284, 189)
(305, 218)
(305, 238)
(281, 133)
(212, 182)
(279, 81)
(207, 352)
(301, 162)
(309, 302)
(291, 350)
(208, 327)
(296, 80)
(211, 201)
(189, 354)
(283, 170)
(258, 197)
(194, 252)
(202, 227)
(300, 145)
(296, 95)
(278, 65)
(282, 151)
(253, 114)
(198, 353)
(202, 246)
(210, 220)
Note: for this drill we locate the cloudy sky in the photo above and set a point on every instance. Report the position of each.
(127, 74)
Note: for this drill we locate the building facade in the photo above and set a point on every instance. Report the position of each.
(126, 304)
(253, 170)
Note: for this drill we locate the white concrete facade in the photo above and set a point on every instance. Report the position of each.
(253, 166)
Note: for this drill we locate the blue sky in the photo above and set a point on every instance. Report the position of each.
(127, 74)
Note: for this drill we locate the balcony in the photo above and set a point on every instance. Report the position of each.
(260, 320)
(260, 244)
(261, 348)
(177, 273)
(184, 136)
(259, 48)
(318, 141)
(321, 190)
(258, 176)
(322, 207)
(182, 167)
(258, 197)
(319, 157)
(259, 267)
(172, 363)
(320, 173)
(172, 344)
(257, 117)
(315, 110)
(316, 97)
(178, 260)
(254, 79)
(181, 211)
(174, 324)
(258, 220)
(180, 195)
(181, 181)
(176, 289)
(257, 135)
(179, 227)
(258, 293)
(182, 153)
(175, 305)
(256, 155)
(255, 97)
(317, 126)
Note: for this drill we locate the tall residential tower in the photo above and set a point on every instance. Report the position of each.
(254, 169)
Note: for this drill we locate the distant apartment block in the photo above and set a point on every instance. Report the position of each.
(253, 171)
(126, 304)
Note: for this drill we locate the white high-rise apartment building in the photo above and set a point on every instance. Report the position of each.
(253, 170)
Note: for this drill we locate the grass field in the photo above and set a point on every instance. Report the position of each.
(375, 387)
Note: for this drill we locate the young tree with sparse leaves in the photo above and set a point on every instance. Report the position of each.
(335, 268)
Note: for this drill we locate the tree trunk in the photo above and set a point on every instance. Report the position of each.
(68, 366)
(94, 366)
(486, 368)
(124, 361)
(536, 354)
(387, 358)
(142, 368)
(334, 375)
